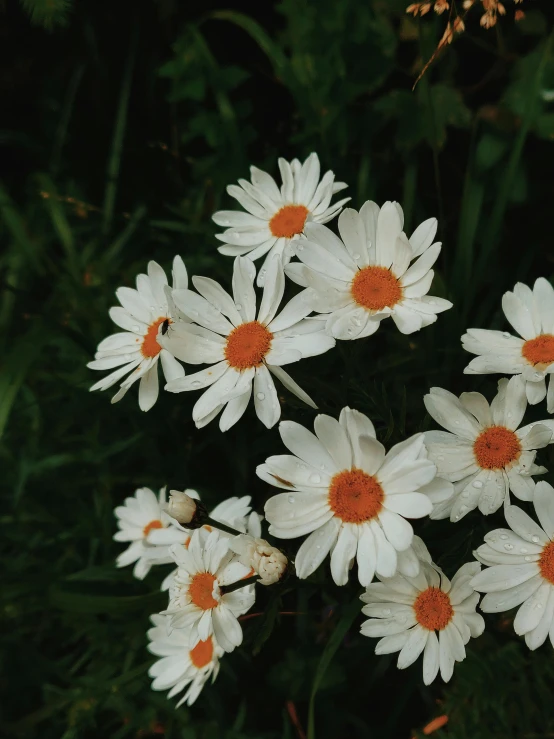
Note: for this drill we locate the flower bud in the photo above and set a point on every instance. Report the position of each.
(268, 562)
(187, 511)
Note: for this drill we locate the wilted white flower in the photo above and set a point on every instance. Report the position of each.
(266, 561)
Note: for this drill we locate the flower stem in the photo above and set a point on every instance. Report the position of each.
(222, 526)
(239, 584)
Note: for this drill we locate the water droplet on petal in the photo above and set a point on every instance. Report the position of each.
(535, 539)
(291, 499)
(504, 536)
(315, 478)
(260, 396)
(477, 484)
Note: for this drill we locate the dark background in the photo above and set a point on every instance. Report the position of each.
(121, 125)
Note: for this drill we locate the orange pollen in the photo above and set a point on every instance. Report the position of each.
(376, 288)
(202, 653)
(150, 346)
(247, 345)
(546, 562)
(496, 447)
(539, 350)
(433, 609)
(152, 525)
(201, 591)
(289, 221)
(355, 496)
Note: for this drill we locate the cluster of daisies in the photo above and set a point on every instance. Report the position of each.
(339, 487)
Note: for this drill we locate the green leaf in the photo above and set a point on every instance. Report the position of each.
(66, 599)
(345, 622)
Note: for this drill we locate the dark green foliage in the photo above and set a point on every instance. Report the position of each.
(121, 133)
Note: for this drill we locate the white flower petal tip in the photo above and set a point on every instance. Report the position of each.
(245, 345)
(484, 452)
(520, 569)
(350, 496)
(147, 316)
(372, 272)
(530, 355)
(424, 615)
(274, 217)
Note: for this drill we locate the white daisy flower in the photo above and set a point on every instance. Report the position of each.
(407, 612)
(275, 217)
(350, 496)
(181, 667)
(483, 452)
(531, 313)
(138, 519)
(136, 350)
(367, 276)
(197, 599)
(244, 349)
(521, 571)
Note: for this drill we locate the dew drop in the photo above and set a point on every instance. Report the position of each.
(506, 334)
(291, 499)
(135, 328)
(238, 306)
(508, 547)
(535, 539)
(477, 484)
(528, 558)
(504, 536)
(196, 383)
(356, 256)
(260, 396)
(315, 478)
(523, 550)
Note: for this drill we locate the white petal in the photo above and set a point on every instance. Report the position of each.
(414, 646)
(305, 445)
(316, 547)
(244, 274)
(266, 401)
(343, 553)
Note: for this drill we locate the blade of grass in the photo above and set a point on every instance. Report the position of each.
(59, 221)
(114, 161)
(345, 622)
(15, 224)
(492, 234)
(63, 123)
(273, 52)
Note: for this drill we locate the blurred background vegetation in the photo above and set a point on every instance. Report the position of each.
(121, 125)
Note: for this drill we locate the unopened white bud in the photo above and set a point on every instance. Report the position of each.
(182, 507)
(268, 562)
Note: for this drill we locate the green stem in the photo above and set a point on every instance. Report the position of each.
(239, 584)
(114, 161)
(222, 526)
(495, 224)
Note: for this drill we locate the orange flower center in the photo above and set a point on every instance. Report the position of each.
(152, 525)
(247, 345)
(150, 346)
(546, 562)
(355, 496)
(202, 653)
(496, 447)
(376, 288)
(201, 590)
(539, 350)
(433, 609)
(289, 221)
